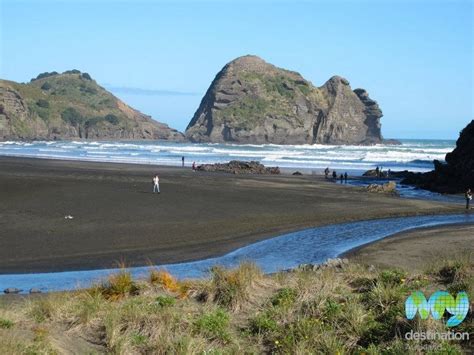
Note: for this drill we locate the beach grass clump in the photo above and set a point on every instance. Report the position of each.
(285, 297)
(165, 301)
(164, 279)
(214, 325)
(118, 285)
(349, 310)
(231, 288)
(6, 323)
(42, 309)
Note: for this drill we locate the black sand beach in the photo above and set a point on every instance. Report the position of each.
(116, 217)
(417, 249)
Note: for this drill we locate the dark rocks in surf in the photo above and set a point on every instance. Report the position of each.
(388, 188)
(454, 176)
(240, 167)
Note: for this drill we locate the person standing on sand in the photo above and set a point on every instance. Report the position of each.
(156, 184)
(182, 161)
(468, 196)
(194, 166)
(334, 175)
(345, 177)
(342, 178)
(326, 172)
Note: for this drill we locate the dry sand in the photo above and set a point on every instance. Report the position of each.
(416, 250)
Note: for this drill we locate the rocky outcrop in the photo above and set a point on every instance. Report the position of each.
(239, 167)
(251, 101)
(387, 188)
(72, 106)
(454, 176)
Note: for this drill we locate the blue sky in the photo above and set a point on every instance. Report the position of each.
(414, 57)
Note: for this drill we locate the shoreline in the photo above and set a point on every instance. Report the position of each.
(76, 280)
(416, 249)
(225, 212)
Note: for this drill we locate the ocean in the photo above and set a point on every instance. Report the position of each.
(413, 154)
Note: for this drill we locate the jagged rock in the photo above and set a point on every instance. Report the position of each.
(454, 176)
(374, 173)
(251, 101)
(12, 290)
(240, 167)
(72, 106)
(388, 188)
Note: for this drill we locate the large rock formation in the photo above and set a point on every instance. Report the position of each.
(251, 101)
(457, 174)
(240, 167)
(72, 106)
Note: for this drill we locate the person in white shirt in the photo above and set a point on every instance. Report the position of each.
(156, 184)
(468, 196)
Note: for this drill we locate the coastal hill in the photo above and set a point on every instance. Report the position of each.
(457, 174)
(252, 101)
(72, 105)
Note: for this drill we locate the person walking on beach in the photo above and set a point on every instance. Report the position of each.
(345, 177)
(156, 184)
(194, 166)
(334, 175)
(182, 162)
(326, 172)
(468, 196)
(342, 178)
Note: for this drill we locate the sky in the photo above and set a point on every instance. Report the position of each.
(414, 57)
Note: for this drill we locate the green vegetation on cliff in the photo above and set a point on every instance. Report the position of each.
(71, 105)
(251, 101)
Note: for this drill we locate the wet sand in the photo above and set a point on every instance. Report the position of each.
(197, 215)
(416, 250)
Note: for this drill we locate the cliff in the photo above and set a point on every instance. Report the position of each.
(72, 105)
(251, 101)
(457, 174)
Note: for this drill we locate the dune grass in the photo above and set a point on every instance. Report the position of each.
(349, 310)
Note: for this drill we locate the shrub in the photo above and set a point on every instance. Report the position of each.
(214, 325)
(231, 286)
(73, 71)
(165, 301)
(45, 75)
(112, 119)
(88, 89)
(46, 86)
(90, 122)
(42, 103)
(86, 76)
(165, 279)
(5, 323)
(263, 323)
(451, 271)
(72, 116)
(284, 297)
(392, 277)
(119, 285)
